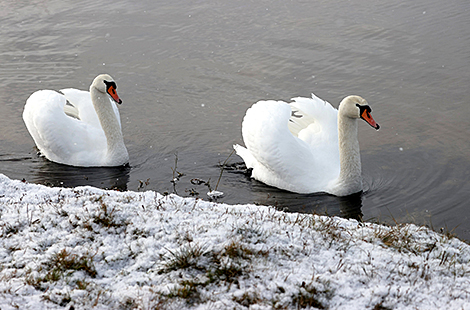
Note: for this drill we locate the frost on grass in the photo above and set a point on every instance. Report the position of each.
(87, 247)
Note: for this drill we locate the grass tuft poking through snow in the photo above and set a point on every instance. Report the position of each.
(87, 248)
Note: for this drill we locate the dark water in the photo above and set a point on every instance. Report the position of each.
(188, 70)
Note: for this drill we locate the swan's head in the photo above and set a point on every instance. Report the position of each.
(357, 107)
(105, 83)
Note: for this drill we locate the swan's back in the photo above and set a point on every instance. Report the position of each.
(321, 133)
(292, 146)
(61, 138)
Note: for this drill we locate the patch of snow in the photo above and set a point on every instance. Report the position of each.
(91, 248)
(215, 194)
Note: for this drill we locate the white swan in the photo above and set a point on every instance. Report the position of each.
(78, 128)
(306, 146)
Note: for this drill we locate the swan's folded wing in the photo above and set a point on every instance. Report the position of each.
(282, 160)
(319, 129)
(58, 136)
(318, 119)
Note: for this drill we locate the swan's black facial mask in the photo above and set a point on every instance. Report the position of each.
(111, 90)
(364, 111)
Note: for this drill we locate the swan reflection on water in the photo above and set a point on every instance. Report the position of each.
(349, 207)
(52, 174)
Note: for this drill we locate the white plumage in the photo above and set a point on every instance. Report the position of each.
(306, 146)
(76, 127)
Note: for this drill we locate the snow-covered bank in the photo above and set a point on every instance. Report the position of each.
(87, 248)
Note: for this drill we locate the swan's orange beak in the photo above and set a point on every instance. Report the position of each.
(112, 92)
(365, 115)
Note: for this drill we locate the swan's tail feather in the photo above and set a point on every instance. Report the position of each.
(245, 155)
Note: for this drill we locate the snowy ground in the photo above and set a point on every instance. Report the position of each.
(86, 248)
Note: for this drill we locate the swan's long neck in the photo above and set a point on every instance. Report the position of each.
(116, 150)
(350, 178)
